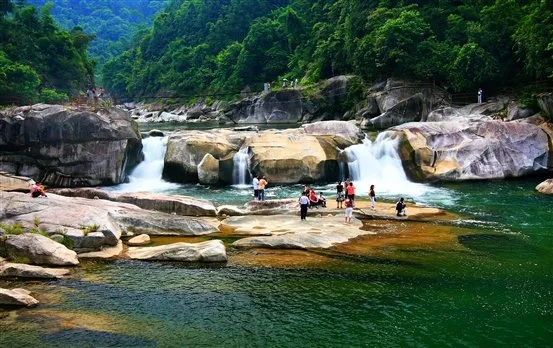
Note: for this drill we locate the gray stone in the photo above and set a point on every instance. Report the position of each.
(209, 251)
(17, 297)
(545, 187)
(21, 270)
(40, 250)
(93, 147)
(141, 239)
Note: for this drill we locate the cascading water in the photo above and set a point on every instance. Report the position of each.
(147, 175)
(240, 169)
(378, 163)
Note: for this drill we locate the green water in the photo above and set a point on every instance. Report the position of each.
(490, 285)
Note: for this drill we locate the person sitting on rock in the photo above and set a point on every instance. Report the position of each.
(400, 207)
(37, 190)
(313, 199)
(322, 200)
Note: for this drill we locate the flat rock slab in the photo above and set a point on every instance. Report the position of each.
(209, 251)
(289, 232)
(21, 270)
(16, 297)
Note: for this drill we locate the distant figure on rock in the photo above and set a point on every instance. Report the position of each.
(480, 96)
(255, 184)
(304, 204)
(322, 200)
(37, 189)
(400, 207)
(261, 185)
(340, 196)
(350, 193)
(372, 196)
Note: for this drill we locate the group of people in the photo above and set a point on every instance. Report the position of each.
(345, 197)
(92, 94)
(259, 187)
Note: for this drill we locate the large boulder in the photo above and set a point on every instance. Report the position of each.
(65, 147)
(40, 250)
(286, 156)
(460, 150)
(273, 107)
(187, 149)
(411, 109)
(209, 251)
(545, 101)
(333, 98)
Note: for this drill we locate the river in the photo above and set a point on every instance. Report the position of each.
(485, 279)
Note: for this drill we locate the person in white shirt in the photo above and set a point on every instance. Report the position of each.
(304, 204)
(255, 184)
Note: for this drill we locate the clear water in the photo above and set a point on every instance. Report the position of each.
(484, 280)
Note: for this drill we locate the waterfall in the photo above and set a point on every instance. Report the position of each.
(379, 163)
(147, 174)
(240, 169)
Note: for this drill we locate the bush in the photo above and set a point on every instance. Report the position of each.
(50, 96)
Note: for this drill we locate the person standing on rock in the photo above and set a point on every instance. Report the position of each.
(480, 95)
(304, 204)
(261, 185)
(339, 195)
(372, 196)
(349, 210)
(255, 183)
(350, 193)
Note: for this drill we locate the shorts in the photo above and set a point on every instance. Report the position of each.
(349, 211)
(340, 197)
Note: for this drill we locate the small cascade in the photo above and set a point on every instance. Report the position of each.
(241, 167)
(147, 174)
(378, 163)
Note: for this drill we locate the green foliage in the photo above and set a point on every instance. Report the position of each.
(112, 23)
(15, 258)
(223, 46)
(36, 221)
(37, 59)
(15, 228)
(68, 242)
(52, 97)
(89, 228)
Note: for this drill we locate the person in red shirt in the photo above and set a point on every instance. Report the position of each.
(350, 193)
(313, 199)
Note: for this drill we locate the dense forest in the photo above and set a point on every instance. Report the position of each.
(38, 60)
(218, 46)
(196, 47)
(113, 23)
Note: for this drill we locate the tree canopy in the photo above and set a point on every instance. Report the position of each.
(224, 45)
(38, 60)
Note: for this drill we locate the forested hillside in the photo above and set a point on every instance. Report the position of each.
(112, 22)
(38, 60)
(223, 45)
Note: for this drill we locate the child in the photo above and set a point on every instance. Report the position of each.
(349, 209)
